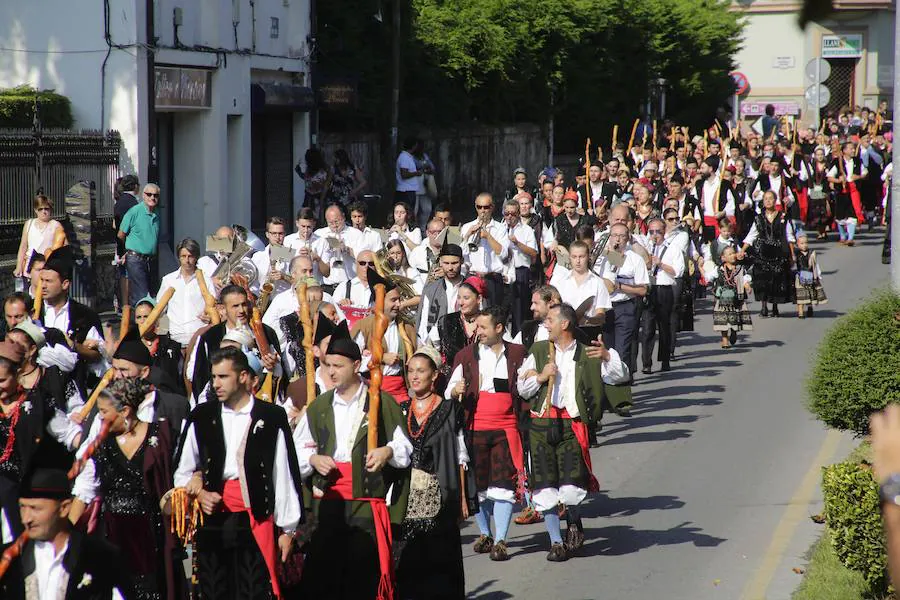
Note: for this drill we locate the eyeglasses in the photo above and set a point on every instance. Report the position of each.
(653, 231)
(511, 214)
(151, 194)
(366, 263)
(672, 220)
(484, 206)
(275, 233)
(435, 232)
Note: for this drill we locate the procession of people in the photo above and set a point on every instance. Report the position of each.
(316, 416)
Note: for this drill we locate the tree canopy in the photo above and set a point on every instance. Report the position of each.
(499, 61)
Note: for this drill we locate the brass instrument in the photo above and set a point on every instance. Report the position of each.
(404, 284)
(237, 263)
(475, 235)
(597, 251)
(265, 296)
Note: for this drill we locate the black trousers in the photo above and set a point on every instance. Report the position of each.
(495, 288)
(519, 294)
(618, 331)
(658, 319)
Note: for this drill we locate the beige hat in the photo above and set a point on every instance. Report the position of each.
(242, 336)
(430, 352)
(33, 331)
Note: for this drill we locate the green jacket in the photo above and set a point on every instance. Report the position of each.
(365, 485)
(591, 394)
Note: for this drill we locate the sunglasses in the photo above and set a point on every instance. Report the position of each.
(672, 220)
(652, 231)
(366, 263)
(151, 194)
(484, 206)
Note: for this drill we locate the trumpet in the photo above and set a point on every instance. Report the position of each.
(475, 236)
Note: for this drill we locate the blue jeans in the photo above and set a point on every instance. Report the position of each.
(138, 269)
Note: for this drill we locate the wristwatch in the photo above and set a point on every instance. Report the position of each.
(890, 489)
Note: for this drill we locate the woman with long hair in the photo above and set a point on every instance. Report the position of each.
(772, 238)
(316, 180)
(819, 212)
(401, 228)
(454, 331)
(347, 180)
(399, 264)
(130, 472)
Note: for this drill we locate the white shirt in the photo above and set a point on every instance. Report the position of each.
(452, 290)
(514, 257)
(347, 421)
(391, 344)
(49, 569)
(370, 240)
(574, 293)
(418, 258)
(284, 304)
(672, 256)
(360, 294)
(315, 244)
(490, 366)
(236, 427)
(186, 305)
(263, 264)
(484, 259)
(60, 320)
(710, 191)
(540, 334)
(848, 169)
(754, 233)
(414, 238)
(406, 161)
(632, 272)
(612, 371)
(352, 239)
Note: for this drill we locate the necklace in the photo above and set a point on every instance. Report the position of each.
(13, 417)
(421, 416)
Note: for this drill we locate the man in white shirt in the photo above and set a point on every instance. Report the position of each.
(370, 239)
(581, 288)
(715, 196)
(439, 295)
(667, 263)
(574, 385)
(424, 257)
(350, 480)
(407, 173)
(186, 309)
(347, 243)
(485, 241)
(542, 300)
(306, 243)
(58, 560)
(521, 252)
(236, 456)
(357, 293)
(272, 271)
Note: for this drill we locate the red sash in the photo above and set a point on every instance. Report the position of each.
(495, 411)
(579, 428)
(263, 532)
(855, 200)
(803, 199)
(342, 489)
(354, 314)
(396, 387)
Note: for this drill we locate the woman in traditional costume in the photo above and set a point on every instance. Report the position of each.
(454, 331)
(808, 281)
(732, 286)
(431, 564)
(772, 238)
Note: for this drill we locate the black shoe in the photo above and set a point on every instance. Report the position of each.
(646, 370)
(764, 313)
(558, 553)
(574, 538)
(666, 367)
(483, 544)
(775, 312)
(499, 553)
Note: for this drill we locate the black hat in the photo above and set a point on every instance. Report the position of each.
(342, 344)
(62, 261)
(324, 328)
(133, 349)
(374, 278)
(46, 483)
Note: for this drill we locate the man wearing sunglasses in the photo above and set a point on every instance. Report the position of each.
(484, 242)
(140, 232)
(355, 296)
(667, 267)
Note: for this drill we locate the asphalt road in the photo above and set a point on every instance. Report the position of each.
(706, 491)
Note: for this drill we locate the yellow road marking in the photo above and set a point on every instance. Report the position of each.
(795, 512)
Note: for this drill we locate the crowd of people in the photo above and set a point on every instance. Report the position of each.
(347, 395)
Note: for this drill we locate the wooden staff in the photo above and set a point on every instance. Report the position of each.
(588, 200)
(208, 299)
(59, 240)
(551, 351)
(615, 137)
(306, 322)
(631, 139)
(104, 381)
(12, 553)
(266, 390)
(600, 154)
(672, 141)
(124, 324)
(705, 143)
(376, 348)
(464, 501)
(157, 311)
(654, 139)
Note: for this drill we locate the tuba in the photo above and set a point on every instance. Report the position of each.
(404, 284)
(237, 263)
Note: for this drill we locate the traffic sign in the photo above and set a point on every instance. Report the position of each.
(741, 83)
(820, 99)
(817, 70)
(757, 126)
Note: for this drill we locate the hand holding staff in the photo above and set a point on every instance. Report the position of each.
(615, 138)
(550, 382)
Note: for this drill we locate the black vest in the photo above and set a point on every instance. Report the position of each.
(259, 453)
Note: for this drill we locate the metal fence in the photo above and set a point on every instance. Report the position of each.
(52, 161)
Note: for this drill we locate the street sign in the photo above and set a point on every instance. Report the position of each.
(848, 45)
(741, 83)
(819, 100)
(817, 70)
(757, 126)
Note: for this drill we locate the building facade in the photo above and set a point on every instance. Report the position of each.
(857, 42)
(212, 98)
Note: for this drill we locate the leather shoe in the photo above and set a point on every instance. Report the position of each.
(558, 553)
(483, 544)
(499, 552)
(646, 370)
(574, 538)
(666, 367)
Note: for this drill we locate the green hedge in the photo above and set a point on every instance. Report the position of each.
(856, 370)
(17, 108)
(853, 514)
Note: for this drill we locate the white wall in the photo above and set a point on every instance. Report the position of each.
(767, 36)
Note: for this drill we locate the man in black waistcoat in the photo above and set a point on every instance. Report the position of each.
(90, 567)
(237, 457)
(437, 295)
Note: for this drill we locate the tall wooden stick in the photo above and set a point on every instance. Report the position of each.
(551, 352)
(208, 300)
(654, 139)
(376, 348)
(631, 139)
(615, 137)
(306, 322)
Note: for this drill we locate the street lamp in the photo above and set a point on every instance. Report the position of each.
(657, 103)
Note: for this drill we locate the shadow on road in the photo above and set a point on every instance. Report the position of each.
(603, 505)
(649, 436)
(477, 594)
(622, 539)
